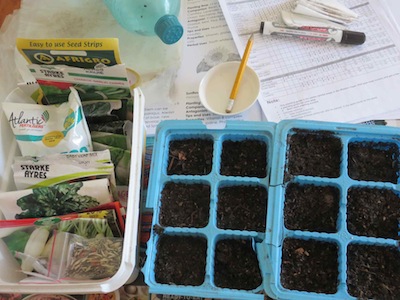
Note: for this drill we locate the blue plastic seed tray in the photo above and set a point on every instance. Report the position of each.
(347, 179)
(169, 131)
(338, 176)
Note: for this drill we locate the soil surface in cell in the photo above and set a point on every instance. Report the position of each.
(242, 208)
(247, 158)
(373, 212)
(373, 272)
(314, 153)
(309, 265)
(374, 161)
(236, 265)
(180, 260)
(190, 157)
(185, 205)
(311, 207)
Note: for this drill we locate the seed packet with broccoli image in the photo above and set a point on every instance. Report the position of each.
(60, 199)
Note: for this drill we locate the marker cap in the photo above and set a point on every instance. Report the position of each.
(353, 37)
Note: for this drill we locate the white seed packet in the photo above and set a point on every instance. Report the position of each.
(32, 172)
(49, 129)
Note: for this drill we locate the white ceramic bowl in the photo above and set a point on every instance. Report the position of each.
(215, 88)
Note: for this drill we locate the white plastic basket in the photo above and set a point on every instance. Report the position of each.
(129, 269)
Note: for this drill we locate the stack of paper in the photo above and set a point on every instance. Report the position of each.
(322, 80)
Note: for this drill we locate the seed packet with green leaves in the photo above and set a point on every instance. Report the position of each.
(121, 158)
(55, 200)
(92, 66)
(31, 241)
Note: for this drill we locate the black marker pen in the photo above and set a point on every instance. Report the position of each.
(314, 33)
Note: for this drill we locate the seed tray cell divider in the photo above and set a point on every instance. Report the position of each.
(170, 131)
(375, 137)
(303, 159)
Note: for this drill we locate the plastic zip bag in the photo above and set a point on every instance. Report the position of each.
(77, 258)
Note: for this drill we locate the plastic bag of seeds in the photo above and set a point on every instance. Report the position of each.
(75, 257)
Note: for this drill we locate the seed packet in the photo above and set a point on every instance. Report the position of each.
(60, 199)
(92, 66)
(32, 172)
(49, 129)
(119, 127)
(112, 212)
(31, 241)
(111, 139)
(121, 159)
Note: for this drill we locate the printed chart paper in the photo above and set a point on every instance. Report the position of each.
(321, 80)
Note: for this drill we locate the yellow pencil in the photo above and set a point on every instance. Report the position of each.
(239, 74)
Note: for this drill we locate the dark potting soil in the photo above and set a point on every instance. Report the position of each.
(373, 212)
(180, 260)
(236, 265)
(185, 205)
(244, 158)
(242, 207)
(373, 161)
(309, 265)
(311, 207)
(190, 157)
(314, 153)
(373, 272)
